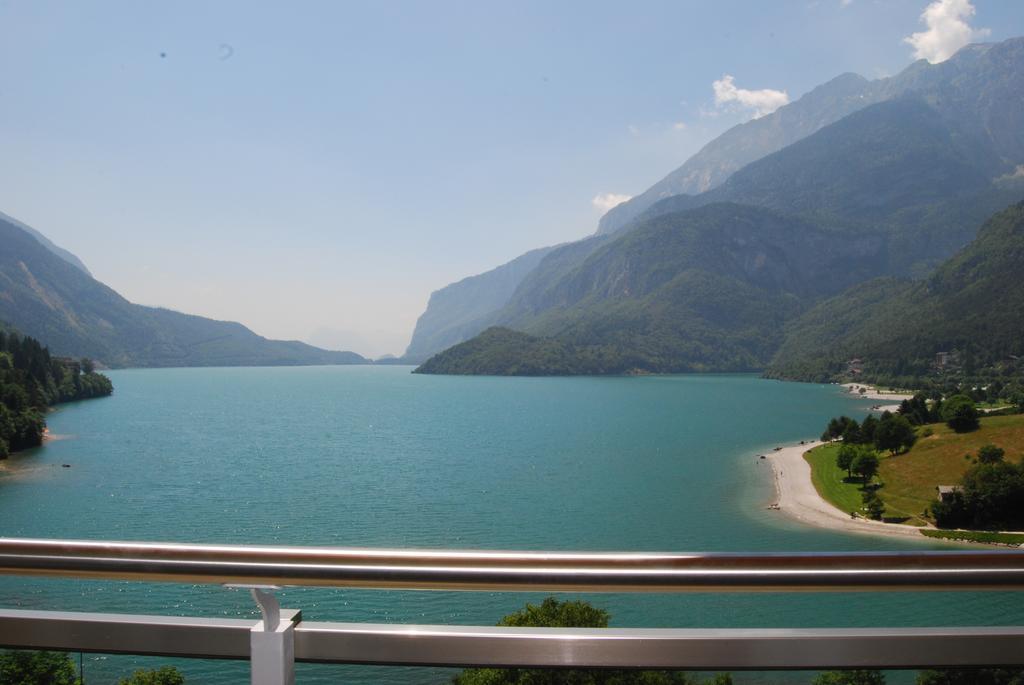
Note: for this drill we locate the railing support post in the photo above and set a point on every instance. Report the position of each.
(272, 641)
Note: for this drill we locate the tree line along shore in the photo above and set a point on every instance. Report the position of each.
(31, 382)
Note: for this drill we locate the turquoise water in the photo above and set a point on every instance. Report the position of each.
(376, 456)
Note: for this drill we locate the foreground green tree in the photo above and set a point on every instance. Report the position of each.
(861, 677)
(552, 613)
(165, 675)
(37, 668)
(960, 414)
(980, 676)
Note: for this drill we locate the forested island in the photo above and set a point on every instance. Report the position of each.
(32, 381)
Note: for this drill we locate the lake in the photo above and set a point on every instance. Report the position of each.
(377, 456)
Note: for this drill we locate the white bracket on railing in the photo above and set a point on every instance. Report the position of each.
(271, 641)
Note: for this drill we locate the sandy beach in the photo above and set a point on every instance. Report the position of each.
(873, 393)
(798, 499)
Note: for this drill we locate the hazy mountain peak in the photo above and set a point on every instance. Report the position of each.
(821, 106)
(47, 243)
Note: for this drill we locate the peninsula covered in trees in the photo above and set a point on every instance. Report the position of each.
(31, 381)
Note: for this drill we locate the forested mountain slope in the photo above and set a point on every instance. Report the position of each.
(972, 306)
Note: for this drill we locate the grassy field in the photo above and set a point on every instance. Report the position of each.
(831, 482)
(909, 480)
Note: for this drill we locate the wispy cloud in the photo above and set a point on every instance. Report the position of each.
(948, 30)
(762, 102)
(608, 200)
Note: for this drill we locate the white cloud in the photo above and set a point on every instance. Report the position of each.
(633, 130)
(845, 3)
(763, 101)
(679, 126)
(1015, 175)
(609, 200)
(948, 30)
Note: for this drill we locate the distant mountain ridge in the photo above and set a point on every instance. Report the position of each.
(461, 310)
(977, 79)
(49, 298)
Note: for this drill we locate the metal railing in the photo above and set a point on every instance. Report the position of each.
(282, 637)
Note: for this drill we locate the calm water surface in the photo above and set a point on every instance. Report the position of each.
(376, 456)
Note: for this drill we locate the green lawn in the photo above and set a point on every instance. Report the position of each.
(833, 485)
(909, 480)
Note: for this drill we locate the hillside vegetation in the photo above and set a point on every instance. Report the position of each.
(31, 381)
(973, 304)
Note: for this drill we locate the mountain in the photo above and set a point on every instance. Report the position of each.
(972, 306)
(749, 142)
(973, 78)
(461, 310)
(705, 290)
(892, 189)
(902, 166)
(45, 296)
(48, 244)
(981, 84)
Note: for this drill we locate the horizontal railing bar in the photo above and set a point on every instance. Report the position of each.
(207, 638)
(463, 646)
(684, 649)
(523, 571)
(509, 570)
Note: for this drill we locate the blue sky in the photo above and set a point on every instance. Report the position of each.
(317, 169)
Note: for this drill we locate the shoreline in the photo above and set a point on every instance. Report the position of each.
(873, 393)
(798, 499)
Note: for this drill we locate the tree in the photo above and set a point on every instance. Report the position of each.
(960, 414)
(37, 668)
(990, 496)
(915, 409)
(865, 465)
(849, 678)
(166, 675)
(851, 434)
(894, 433)
(990, 454)
(552, 613)
(868, 428)
(844, 458)
(873, 504)
(978, 676)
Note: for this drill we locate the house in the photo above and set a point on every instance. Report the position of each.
(946, 492)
